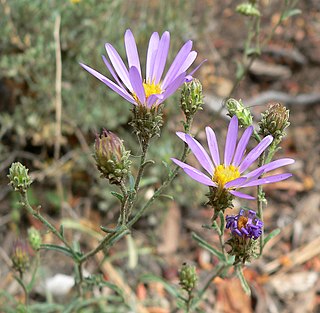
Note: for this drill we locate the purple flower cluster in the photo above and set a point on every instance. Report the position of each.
(245, 224)
(129, 82)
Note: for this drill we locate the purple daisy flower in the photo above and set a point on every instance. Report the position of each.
(228, 173)
(245, 224)
(129, 82)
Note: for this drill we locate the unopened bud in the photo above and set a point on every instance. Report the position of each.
(19, 177)
(191, 97)
(20, 256)
(111, 157)
(237, 108)
(188, 277)
(274, 121)
(248, 9)
(34, 238)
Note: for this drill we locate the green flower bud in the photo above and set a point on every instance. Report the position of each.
(111, 157)
(146, 122)
(248, 9)
(19, 178)
(237, 108)
(20, 256)
(274, 121)
(191, 97)
(188, 277)
(34, 238)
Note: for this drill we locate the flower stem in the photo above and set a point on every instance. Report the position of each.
(260, 200)
(36, 214)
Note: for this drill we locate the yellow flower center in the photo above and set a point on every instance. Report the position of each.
(151, 89)
(224, 174)
(242, 222)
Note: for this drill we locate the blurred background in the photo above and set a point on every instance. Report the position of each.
(46, 97)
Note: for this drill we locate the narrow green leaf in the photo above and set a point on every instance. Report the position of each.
(61, 230)
(274, 233)
(242, 279)
(132, 252)
(290, 13)
(222, 221)
(61, 249)
(131, 182)
(208, 247)
(167, 196)
(216, 227)
(117, 195)
(173, 291)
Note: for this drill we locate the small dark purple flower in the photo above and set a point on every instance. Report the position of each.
(245, 224)
(153, 88)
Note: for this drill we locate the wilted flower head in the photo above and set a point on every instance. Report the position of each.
(111, 157)
(151, 90)
(245, 224)
(229, 174)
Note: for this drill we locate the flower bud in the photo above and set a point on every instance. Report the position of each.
(188, 277)
(19, 178)
(274, 121)
(20, 256)
(245, 228)
(34, 238)
(111, 157)
(146, 122)
(237, 108)
(248, 9)
(191, 97)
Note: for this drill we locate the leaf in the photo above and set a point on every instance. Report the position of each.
(61, 230)
(61, 249)
(167, 196)
(274, 233)
(173, 291)
(216, 228)
(117, 195)
(132, 252)
(208, 247)
(243, 281)
(290, 13)
(223, 222)
(131, 182)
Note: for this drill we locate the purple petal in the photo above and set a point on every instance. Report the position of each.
(267, 180)
(193, 71)
(151, 55)
(188, 62)
(231, 141)
(213, 145)
(161, 57)
(271, 166)
(132, 51)
(255, 153)
(199, 152)
(242, 145)
(113, 73)
(194, 173)
(136, 82)
(154, 99)
(241, 195)
(177, 63)
(174, 86)
(236, 182)
(122, 92)
(118, 65)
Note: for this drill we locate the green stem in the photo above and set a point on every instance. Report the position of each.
(143, 163)
(260, 201)
(36, 214)
(24, 287)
